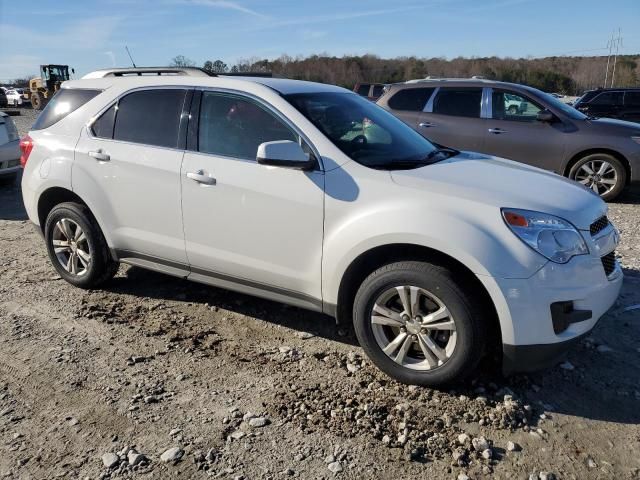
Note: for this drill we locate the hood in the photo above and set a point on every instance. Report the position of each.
(504, 183)
(616, 126)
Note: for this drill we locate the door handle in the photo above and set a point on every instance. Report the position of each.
(426, 124)
(497, 131)
(99, 155)
(200, 177)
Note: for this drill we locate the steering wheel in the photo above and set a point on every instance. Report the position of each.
(358, 140)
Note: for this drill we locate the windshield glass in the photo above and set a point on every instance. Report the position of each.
(361, 130)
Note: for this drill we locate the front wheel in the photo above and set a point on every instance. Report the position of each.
(418, 324)
(602, 173)
(77, 248)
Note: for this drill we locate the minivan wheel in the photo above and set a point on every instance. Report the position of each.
(418, 324)
(77, 249)
(601, 172)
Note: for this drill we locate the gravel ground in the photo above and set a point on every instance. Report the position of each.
(155, 377)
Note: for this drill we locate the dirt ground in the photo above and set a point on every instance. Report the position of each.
(243, 388)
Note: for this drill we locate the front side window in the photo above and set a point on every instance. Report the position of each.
(458, 102)
(608, 98)
(234, 126)
(512, 106)
(150, 117)
(362, 130)
(411, 99)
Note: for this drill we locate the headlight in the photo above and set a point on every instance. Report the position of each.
(552, 237)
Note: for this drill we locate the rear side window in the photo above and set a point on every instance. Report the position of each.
(62, 104)
(412, 99)
(608, 98)
(363, 89)
(632, 99)
(103, 126)
(150, 117)
(459, 102)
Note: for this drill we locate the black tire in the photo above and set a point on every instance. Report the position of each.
(37, 101)
(101, 267)
(620, 170)
(464, 308)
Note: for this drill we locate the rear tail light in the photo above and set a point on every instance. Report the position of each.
(26, 145)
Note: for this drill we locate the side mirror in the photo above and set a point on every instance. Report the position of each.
(284, 153)
(545, 116)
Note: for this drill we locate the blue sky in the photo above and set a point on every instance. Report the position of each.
(90, 34)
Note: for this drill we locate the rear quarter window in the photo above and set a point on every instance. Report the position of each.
(62, 104)
(410, 99)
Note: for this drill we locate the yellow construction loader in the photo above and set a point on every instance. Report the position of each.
(43, 88)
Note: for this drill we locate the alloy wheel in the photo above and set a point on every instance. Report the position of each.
(599, 175)
(414, 327)
(71, 247)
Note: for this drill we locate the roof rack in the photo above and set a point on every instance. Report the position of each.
(163, 71)
(149, 71)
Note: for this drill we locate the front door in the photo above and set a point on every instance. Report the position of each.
(514, 132)
(246, 223)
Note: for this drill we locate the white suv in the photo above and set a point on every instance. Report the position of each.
(311, 195)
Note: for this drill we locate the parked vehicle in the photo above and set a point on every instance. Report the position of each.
(42, 88)
(17, 97)
(3, 99)
(9, 149)
(372, 91)
(311, 195)
(524, 124)
(620, 103)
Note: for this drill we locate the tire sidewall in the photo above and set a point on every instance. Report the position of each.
(460, 364)
(617, 165)
(67, 211)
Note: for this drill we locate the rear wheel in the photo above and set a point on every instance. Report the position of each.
(602, 173)
(77, 249)
(418, 324)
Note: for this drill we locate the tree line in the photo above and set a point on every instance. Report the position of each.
(566, 75)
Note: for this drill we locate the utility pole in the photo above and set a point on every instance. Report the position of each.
(618, 44)
(610, 47)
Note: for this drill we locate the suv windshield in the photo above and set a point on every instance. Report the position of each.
(365, 132)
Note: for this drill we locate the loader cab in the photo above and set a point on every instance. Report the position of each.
(54, 75)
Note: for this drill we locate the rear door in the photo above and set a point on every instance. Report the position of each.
(514, 132)
(631, 110)
(407, 104)
(127, 167)
(453, 118)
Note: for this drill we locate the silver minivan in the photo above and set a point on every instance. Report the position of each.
(523, 124)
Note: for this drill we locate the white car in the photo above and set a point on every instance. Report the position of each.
(311, 195)
(9, 149)
(16, 97)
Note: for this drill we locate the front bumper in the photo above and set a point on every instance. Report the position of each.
(541, 317)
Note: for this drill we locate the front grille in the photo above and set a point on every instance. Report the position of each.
(609, 263)
(599, 225)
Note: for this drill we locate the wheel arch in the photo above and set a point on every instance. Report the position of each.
(583, 153)
(374, 258)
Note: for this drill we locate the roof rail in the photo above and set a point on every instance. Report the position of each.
(149, 71)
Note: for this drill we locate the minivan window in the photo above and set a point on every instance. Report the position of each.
(234, 126)
(513, 107)
(459, 102)
(150, 117)
(363, 131)
(411, 99)
(62, 104)
(632, 99)
(608, 98)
